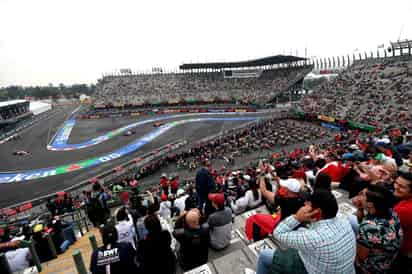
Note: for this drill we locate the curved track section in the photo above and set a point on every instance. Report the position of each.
(27, 175)
(59, 143)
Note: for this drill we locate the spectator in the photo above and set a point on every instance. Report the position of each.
(204, 185)
(288, 199)
(193, 238)
(380, 232)
(252, 199)
(155, 254)
(323, 181)
(403, 192)
(165, 210)
(327, 246)
(220, 222)
(180, 201)
(164, 183)
(125, 228)
(113, 257)
(98, 211)
(192, 200)
(174, 184)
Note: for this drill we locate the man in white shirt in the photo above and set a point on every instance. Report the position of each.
(125, 228)
(180, 201)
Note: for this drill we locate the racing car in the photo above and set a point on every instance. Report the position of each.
(129, 133)
(21, 153)
(158, 124)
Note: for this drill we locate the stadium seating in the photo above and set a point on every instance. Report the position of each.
(376, 92)
(212, 87)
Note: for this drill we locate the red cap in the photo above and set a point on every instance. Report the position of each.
(163, 197)
(217, 198)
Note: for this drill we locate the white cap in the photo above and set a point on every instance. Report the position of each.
(353, 146)
(291, 184)
(180, 192)
(246, 177)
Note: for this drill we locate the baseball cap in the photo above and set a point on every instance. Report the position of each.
(246, 177)
(180, 192)
(291, 184)
(163, 197)
(217, 198)
(380, 157)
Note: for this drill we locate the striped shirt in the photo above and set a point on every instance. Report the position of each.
(327, 246)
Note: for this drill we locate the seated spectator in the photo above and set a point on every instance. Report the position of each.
(328, 245)
(193, 238)
(125, 228)
(403, 192)
(192, 200)
(154, 253)
(323, 181)
(287, 199)
(113, 257)
(380, 232)
(251, 199)
(220, 222)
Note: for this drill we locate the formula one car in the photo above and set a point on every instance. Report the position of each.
(129, 133)
(158, 124)
(21, 153)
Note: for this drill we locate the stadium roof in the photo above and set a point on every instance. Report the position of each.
(271, 60)
(11, 102)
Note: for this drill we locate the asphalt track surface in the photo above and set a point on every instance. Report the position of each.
(36, 138)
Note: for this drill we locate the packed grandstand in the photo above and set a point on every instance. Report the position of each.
(324, 186)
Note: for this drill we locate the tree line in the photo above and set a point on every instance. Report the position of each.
(46, 92)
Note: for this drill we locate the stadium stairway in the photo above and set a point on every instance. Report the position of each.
(64, 263)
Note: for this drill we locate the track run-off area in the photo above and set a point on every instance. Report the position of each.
(61, 138)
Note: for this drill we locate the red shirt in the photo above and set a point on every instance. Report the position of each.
(404, 211)
(174, 184)
(164, 182)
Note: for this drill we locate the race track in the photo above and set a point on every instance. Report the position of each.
(147, 138)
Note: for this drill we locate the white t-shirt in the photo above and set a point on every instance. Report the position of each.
(18, 259)
(246, 201)
(165, 209)
(180, 202)
(251, 199)
(126, 233)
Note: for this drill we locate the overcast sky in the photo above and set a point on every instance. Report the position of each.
(58, 41)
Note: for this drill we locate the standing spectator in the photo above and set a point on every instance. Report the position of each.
(380, 232)
(174, 184)
(113, 257)
(125, 228)
(155, 254)
(403, 192)
(220, 222)
(205, 184)
(193, 238)
(328, 246)
(180, 201)
(165, 210)
(98, 210)
(164, 183)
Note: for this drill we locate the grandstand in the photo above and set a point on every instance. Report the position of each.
(349, 140)
(249, 82)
